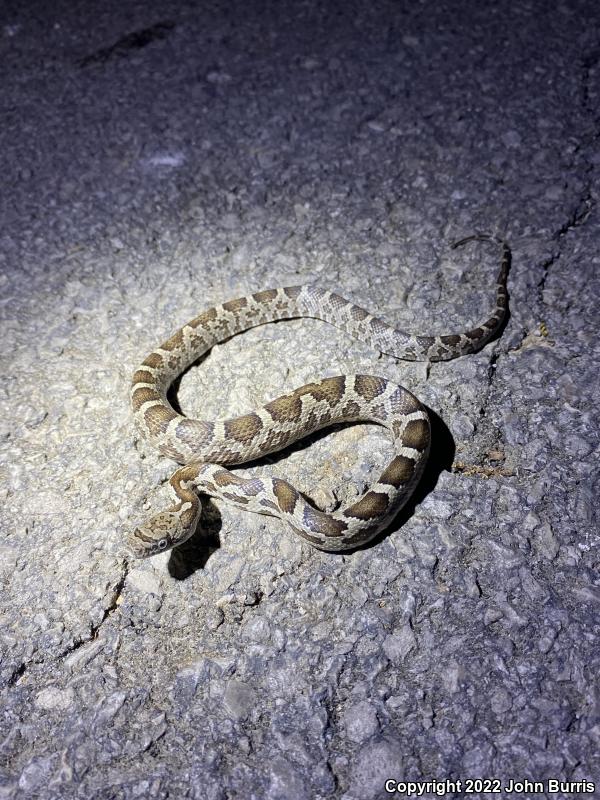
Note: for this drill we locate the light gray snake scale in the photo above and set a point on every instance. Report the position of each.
(205, 447)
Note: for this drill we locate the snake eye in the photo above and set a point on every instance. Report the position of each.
(162, 544)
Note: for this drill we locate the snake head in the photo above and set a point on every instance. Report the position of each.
(161, 532)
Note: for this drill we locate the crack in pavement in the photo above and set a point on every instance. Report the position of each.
(586, 202)
(112, 606)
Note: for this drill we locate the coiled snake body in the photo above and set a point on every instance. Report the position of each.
(204, 447)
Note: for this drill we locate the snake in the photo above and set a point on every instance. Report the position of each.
(205, 448)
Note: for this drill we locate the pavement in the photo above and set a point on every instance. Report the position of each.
(159, 158)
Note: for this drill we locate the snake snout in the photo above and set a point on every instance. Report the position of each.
(162, 532)
(141, 545)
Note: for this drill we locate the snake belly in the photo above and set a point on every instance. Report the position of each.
(205, 448)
